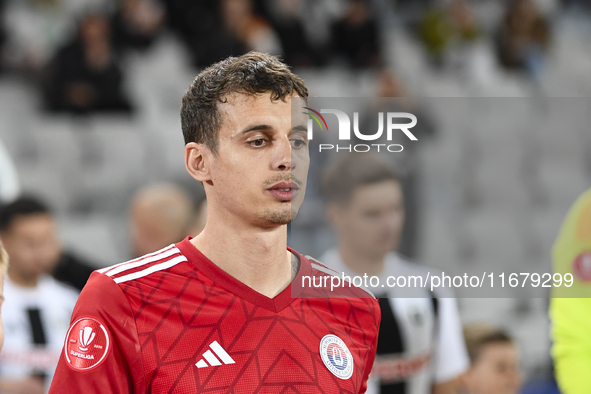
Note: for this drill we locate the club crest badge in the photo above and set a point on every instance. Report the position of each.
(87, 344)
(336, 356)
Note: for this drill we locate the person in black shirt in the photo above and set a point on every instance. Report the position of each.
(84, 76)
(356, 37)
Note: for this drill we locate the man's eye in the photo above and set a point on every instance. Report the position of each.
(298, 143)
(258, 143)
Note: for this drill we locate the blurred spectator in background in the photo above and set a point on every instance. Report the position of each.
(462, 18)
(356, 37)
(494, 361)
(204, 39)
(420, 345)
(85, 75)
(160, 215)
(33, 30)
(29, 224)
(407, 163)
(446, 27)
(390, 85)
(137, 24)
(570, 308)
(286, 17)
(9, 184)
(249, 31)
(214, 30)
(3, 268)
(523, 38)
(2, 33)
(37, 309)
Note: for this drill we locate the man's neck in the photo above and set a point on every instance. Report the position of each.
(257, 257)
(361, 263)
(22, 280)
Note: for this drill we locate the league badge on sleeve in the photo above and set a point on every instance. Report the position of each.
(336, 356)
(87, 344)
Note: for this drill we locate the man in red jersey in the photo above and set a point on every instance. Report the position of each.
(225, 312)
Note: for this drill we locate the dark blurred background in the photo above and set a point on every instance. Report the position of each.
(90, 95)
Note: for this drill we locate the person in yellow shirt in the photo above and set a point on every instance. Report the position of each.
(570, 308)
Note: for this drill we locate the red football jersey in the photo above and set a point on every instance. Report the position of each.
(173, 322)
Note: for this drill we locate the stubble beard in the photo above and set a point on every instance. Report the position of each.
(281, 216)
(287, 211)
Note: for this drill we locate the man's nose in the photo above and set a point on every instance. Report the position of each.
(283, 155)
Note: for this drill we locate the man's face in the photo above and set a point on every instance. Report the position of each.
(371, 221)
(32, 244)
(150, 232)
(496, 371)
(260, 170)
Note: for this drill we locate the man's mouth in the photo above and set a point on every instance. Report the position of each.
(284, 191)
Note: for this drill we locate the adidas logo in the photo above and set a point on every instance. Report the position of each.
(212, 359)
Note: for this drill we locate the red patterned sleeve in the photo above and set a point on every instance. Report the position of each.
(101, 351)
(372, 354)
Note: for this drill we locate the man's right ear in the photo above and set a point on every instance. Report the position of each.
(197, 161)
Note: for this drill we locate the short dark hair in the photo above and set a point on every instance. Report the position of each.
(346, 174)
(22, 206)
(250, 74)
(477, 336)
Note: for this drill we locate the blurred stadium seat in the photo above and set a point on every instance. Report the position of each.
(97, 237)
(118, 165)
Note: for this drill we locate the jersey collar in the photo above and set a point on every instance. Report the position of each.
(225, 280)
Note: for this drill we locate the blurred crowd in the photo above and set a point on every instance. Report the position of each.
(75, 50)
